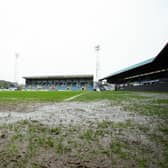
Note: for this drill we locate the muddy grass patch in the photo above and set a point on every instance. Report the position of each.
(120, 132)
(107, 144)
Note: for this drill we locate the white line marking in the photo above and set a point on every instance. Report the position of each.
(73, 97)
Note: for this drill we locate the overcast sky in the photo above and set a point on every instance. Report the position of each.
(55, 37)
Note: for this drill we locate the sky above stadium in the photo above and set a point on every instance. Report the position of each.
(57, 37)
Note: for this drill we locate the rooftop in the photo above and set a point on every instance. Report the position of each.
(59, 77)
(156, 63)
(134, 66)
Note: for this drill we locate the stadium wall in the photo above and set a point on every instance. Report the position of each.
(153, 87)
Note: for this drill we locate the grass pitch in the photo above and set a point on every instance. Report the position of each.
(139, 141)
(47, 96)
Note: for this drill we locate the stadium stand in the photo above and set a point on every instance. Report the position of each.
(149, 75)
(66, 82)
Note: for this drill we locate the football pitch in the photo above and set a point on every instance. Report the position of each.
(40, 129)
